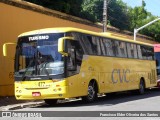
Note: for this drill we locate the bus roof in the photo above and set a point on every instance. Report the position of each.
(71, 29)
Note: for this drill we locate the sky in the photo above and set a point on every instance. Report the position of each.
(152, 6)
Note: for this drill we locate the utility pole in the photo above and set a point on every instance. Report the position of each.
(105, 5)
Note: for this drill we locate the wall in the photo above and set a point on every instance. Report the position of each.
(18, 17)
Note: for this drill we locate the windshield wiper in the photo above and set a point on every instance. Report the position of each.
(44, 68)
(37, 61)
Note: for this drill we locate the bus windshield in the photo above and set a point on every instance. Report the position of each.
(37, 56)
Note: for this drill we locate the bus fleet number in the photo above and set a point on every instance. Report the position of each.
(41, 84)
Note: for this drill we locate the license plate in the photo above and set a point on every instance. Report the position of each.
(36, 94)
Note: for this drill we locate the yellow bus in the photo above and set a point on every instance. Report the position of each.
(60, 63)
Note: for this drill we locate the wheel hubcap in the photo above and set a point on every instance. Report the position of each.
(91, 92)
(141, 88)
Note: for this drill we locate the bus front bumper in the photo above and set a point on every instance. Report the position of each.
(41, 93)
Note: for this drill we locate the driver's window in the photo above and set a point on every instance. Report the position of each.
(70, 60)
(75, 54)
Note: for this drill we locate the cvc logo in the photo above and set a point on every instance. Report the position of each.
(119, 75)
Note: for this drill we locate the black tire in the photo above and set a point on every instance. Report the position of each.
(141, 90)
(92, 93)
(51, 101)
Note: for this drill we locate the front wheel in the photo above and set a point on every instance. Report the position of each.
(92, 93)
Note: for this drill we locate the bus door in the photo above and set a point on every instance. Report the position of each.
(74, 61)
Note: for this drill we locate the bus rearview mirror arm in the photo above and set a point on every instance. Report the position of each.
(62, 45)
(5, 48)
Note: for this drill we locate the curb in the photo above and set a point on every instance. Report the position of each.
(21, 106)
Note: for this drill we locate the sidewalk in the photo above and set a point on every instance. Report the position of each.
(7, 103)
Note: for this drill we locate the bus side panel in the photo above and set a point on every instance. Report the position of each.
(120, 74)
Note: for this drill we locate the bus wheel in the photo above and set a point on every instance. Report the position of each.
(92, 92)
(141, 87)
(50, 101)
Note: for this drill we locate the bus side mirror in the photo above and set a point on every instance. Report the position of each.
(62, 45)
(6, 52)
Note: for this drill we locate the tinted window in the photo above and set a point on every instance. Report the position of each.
(83, 40)
(139, 51)
(144, 52)
(122, 49)
(130, 50)
(107, 47)
(116, 48)
(135, 51)
(150, 53)
(94, 45)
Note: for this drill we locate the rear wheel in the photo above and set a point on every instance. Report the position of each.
(92, 92)
(51, 101)
(141, 87)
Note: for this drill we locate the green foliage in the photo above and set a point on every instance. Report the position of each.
(152, 30)
(67, 6)
(119, 14)
(93, 8)
(137, 15)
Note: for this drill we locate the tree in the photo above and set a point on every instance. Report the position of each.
(67, 6)
(93, 8)
(137, 15)
(119, 14)
(152, 30)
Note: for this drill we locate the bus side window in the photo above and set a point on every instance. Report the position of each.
(85, 41)
(74, 48)
(135, 51)
(81, 39)
(70, 61)
(139, 52)
(108, 47)
(103, 48)
(130, 50)
(117, 49)
(150, 55)
(96, 45)
(123, 51)
(144, 52)
(79, 52)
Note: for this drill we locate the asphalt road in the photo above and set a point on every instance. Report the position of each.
(150, 101)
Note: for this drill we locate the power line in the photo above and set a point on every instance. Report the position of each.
(117, 15)
(119, 20)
